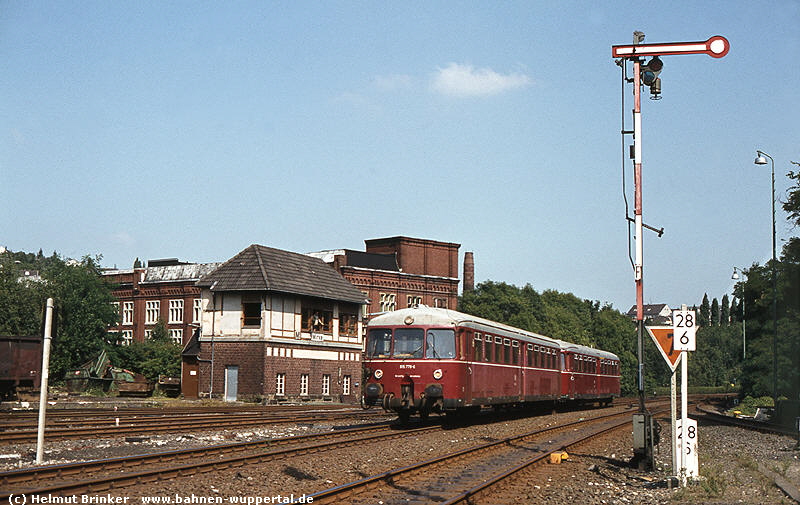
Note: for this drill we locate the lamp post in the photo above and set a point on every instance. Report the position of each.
(735, 277)
(761, 159)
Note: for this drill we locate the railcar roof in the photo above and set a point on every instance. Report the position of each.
(424, 315)
(589, 351)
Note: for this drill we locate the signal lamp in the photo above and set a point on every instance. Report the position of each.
(378, 373)
(651, 70)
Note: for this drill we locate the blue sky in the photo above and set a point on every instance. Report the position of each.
(194, 129)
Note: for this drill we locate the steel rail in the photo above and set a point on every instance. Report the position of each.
(154, 419)
(168, 409)
(168, 425)
(487, 485)
(151, 475)
(745, 423)
(338, 493)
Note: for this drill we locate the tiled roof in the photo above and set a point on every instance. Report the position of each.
(260, 268)
(649, 309)
(182, 272)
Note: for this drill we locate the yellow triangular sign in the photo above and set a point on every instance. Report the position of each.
(662, 336)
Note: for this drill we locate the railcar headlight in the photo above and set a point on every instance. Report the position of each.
(437, 374)
(378, 373)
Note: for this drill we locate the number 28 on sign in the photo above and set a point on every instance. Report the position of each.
(684, 327)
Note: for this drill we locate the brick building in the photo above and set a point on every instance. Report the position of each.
(276, 325)
(166, 290)
(398, 272)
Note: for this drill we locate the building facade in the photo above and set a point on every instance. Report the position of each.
(277, 326)
(165, 290)
(398, 272)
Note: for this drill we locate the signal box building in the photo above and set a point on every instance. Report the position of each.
(276, 326)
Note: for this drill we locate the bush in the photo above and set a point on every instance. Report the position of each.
(151, 358)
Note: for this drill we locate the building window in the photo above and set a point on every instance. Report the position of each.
(251, 313)
(148, 334)
(440, 303)
(116, 308)
(348, 324)
(127, 337)
(317, 319)
(152, 309)
(414, 301)
(127, 313)
(304, 385)
(326, 385)
(176, 336)
(175, 311)
(387, 302)
(197, 310)
(280, 384)
(346, 385)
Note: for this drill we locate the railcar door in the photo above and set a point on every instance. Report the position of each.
(466, 354)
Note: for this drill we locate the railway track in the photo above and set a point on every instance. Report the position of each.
(462, 475)
(114, 473)
(33, 413)
(108, 427)
(712, 415)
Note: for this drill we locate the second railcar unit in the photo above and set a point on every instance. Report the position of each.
(426, 360)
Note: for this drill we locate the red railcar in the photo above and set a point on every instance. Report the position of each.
(428, 360)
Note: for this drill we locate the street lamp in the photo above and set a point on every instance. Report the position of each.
(736, 277)
(761, 159)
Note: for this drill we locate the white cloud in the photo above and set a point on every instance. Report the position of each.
(465, 80)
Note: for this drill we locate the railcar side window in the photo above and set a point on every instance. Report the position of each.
(514, 352)
(379, 342)
(440, 344)
(478, 345)
(498, 349)
(529, 356)
(408, 342)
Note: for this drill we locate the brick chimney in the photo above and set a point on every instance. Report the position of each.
(469, 271)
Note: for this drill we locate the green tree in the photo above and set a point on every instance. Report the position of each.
(505, 303)
(21, 302)
(704, 317)
(757, 294)
(725, 311)
(735, 316)
(83, 312)
(715, 312)
(160, 331)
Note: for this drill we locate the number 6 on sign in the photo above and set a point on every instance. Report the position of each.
(684, 327)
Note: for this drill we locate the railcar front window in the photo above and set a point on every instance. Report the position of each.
(379, 342)
(440, 344)
(408, 342)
